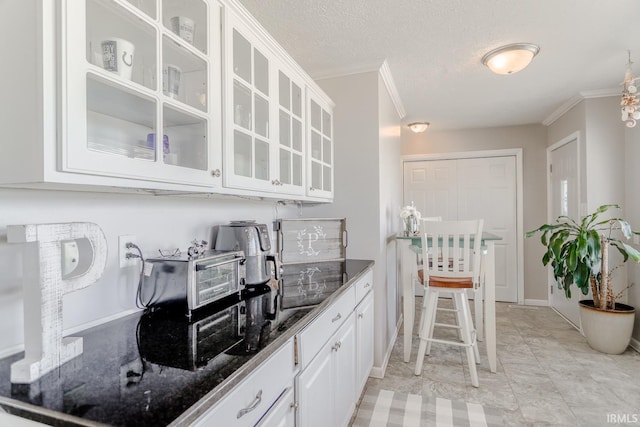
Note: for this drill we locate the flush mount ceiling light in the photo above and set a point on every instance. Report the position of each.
(630, 103)
(418, 127)
(511, 58)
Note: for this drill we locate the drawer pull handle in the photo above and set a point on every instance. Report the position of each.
(253, 405)
(336, 346)
(367, 285)
(338, 317)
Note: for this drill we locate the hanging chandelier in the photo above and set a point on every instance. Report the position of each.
(629, 104)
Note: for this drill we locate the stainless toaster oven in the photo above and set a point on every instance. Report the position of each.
(192, 282)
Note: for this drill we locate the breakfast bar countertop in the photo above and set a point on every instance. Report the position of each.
(141, 370)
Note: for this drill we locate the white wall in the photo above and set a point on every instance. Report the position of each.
(605, 153)
(364, 158)
(390, 183)
(602, 163)
(632, 213)
(158, 222)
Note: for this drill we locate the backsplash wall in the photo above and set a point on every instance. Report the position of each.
(158, 222)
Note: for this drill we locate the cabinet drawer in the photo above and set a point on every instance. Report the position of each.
(364, 285)
(253, 397)
(313, 337)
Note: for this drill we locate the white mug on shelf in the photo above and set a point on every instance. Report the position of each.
(171, 77)
(183, 27)
(117, 56)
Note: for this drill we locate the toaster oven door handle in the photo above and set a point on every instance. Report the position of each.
(201, 267)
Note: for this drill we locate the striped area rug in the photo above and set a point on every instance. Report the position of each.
(387, 408)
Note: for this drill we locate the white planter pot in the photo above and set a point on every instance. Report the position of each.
(607, 331)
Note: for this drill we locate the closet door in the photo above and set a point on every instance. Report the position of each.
(432, 186)
(459, 189)
(487, 189)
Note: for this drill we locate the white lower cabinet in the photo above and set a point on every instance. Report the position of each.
(282, 413)
(326, 388)
(336, 356)
(364, 341)
(250, 400)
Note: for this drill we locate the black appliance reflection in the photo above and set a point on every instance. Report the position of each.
(235, 326)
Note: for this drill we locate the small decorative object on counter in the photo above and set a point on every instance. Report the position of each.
(410, 217)
(304, 240)
(197, 248)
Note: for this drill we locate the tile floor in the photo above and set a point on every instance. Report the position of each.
(547, 374)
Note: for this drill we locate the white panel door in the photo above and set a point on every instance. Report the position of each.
(487, 189)
(472, 188)
(564, 201)
(433, 187)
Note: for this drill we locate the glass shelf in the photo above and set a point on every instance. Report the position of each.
(184, 75)
(186, 139)
(119, 120)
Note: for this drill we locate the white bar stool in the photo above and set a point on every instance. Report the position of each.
(459, 241)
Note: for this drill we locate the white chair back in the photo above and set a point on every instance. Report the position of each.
(451, 249)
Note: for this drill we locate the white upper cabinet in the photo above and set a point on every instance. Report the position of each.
(320, 146)
(160, 95)
(264, 145)
(142, 90)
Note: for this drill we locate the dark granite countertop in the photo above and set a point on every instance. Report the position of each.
(156, 369)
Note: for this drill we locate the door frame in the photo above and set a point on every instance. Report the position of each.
(508, 152)
(564, 141)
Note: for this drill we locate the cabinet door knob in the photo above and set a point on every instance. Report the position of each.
(338, 317)
(276, 182)
(216, 173)
(311, 188)
(251, 407)
(360, 315)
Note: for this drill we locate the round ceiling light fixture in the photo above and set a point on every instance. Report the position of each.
(511, 58)
(418, 127)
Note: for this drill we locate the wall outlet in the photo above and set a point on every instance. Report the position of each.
(70, 257)
(123, 251)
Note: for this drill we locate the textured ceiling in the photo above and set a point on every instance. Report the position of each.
(434, 47)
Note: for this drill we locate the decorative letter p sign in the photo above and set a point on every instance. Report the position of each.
(57, 259)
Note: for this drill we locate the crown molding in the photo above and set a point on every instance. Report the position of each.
(346, 71)
(387, 78)
(575, 100)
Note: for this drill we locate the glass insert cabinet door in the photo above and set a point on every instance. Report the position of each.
(250, 130)
(140, 100)
(291, 147)
(320, 155)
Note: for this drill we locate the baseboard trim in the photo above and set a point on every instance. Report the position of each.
(537, 302)
(70, 331)
(635, 344)
(378, 371)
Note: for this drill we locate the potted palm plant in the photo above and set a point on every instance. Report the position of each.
(579, 254)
